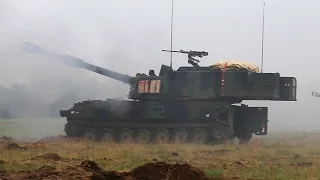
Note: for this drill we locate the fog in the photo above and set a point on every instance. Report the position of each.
(128, 36)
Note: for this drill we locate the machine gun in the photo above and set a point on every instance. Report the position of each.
(191, 54)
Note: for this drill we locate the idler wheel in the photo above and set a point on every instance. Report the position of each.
(180, 135)
(143, 136)
(199, 136)
(72, 129)
(162, 136)
(126, 135)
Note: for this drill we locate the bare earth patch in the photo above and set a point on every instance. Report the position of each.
(90, 170)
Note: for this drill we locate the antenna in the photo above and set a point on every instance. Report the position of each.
(262, 37)
(171, 32)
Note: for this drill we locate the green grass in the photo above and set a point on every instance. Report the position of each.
(277, 156)
(31, 128)
(254, 160)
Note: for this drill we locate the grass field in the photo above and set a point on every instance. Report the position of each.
(277, 156)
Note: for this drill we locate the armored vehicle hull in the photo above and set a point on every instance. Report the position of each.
(191, 104)
(164, 121)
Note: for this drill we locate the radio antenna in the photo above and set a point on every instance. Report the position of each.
(262, 37)
(171, 33)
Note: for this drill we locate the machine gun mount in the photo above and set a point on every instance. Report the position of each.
(191, 54)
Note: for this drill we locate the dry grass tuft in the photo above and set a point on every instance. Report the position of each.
(267, 158)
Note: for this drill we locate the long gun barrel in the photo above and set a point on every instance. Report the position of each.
(76, 62)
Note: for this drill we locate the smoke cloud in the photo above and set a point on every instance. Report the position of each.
(127, 37)
(34, 86)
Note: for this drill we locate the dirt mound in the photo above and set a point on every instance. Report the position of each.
(149, 171)
(90, 166)
(90, 170)
(12, 146)
(49, 156)
(98, 173)
(45, 172)
(162, 170)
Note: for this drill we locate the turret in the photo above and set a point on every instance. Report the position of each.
(220, 82)
(76, 62)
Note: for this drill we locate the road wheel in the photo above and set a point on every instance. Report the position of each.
(108, 136)
(143, 136)
(162, 136)
(126, 135)
(180, 135)
(199, 136)
(90, 135)
(219, 132)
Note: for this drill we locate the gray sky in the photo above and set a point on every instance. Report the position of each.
(127, 36)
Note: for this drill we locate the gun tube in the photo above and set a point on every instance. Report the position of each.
(76, 62)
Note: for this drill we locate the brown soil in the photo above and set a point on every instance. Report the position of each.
(49, 156)
(161, 170)
(90, 170)
(12, 146)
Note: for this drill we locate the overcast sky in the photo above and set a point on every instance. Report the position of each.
(128, 36)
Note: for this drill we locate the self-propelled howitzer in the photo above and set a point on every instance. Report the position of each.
(196, 104)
